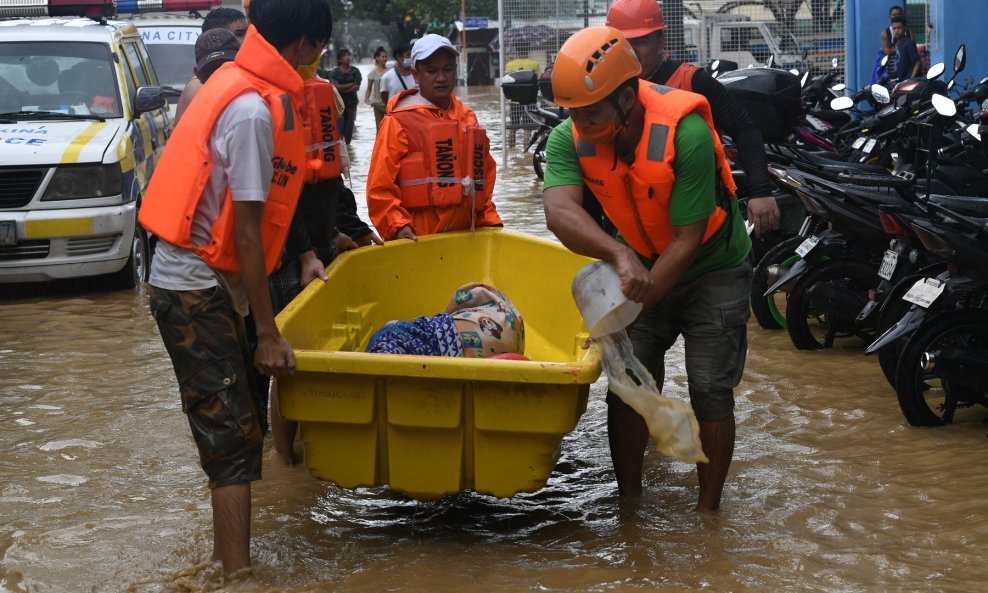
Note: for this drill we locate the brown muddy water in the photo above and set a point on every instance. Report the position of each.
(830, 490)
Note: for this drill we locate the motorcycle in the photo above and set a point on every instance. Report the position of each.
(534, 93)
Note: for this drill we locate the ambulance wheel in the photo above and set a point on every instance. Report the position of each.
(138, 267)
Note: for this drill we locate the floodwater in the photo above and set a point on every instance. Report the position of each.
(830, 490)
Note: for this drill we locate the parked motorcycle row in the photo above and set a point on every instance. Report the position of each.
(893, 252)
(883, 241)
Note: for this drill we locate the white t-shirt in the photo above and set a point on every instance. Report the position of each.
(391, 82)
(241, 145)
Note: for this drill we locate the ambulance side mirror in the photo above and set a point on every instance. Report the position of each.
(148, 98)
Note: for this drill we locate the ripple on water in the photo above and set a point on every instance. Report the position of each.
(63, 479)
(59, 445)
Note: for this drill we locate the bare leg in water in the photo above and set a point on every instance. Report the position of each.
(627, 434)
(231, 528)
(628, 437)
(717, 438)
(282, 431)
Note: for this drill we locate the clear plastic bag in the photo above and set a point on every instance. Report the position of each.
(671, 422)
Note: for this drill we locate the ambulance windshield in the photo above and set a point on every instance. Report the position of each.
(73, 78)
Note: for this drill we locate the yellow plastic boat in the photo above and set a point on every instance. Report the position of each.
(431, 426)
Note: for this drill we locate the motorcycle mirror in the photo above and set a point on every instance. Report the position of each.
(935, 71)
(880, 93)
(944, 105)
(842, 103)
(974, 130)
(960, 59)
(840, 87)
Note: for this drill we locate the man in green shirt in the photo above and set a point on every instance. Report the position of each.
(650, 155)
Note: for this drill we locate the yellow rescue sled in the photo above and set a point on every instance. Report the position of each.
(431, 426)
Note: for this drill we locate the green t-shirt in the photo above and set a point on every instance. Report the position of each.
(694, 192)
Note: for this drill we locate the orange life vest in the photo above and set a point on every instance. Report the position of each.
(323, 147)
(445, 164)
(183, 171)
(682, 77)
(636, 197)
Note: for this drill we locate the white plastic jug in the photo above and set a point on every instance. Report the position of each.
(597, 292)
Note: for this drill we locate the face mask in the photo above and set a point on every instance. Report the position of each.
(602, 133)
(407, 62)
(307, 71)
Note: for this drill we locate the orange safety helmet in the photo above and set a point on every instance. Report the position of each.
(636, 18)
(590, 65)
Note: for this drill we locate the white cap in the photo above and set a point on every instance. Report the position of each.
(428, 45)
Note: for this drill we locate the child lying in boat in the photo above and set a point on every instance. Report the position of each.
(479, 322)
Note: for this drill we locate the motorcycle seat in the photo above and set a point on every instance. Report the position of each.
(965, 205)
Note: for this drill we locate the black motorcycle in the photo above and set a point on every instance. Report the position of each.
(534, 93)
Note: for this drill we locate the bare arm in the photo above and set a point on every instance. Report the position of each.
(274, 355)
(567, 219)
(190, 90)
(887, 46)
(676, 259)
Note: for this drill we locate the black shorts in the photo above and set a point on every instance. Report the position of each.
(205, 337)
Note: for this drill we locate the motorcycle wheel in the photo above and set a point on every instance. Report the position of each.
(925, 398)
(538, 157)
(810, 329)
(893, 308)
(770, 311)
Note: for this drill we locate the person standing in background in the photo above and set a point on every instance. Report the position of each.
(372, 96)
(907, 62)
(230, 19)
(399, 78)
(643, 26)
(431, 170)
(346, 79)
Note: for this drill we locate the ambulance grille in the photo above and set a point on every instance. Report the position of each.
(18, 186)
(34, 249)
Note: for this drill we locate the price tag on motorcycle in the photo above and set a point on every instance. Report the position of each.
(807, 246)
(924, 292)
(869, 146)
(888, 264)
(859, 143)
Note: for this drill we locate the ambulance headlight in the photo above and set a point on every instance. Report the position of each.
(78, 182)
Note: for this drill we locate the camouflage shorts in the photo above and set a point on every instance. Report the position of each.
(205, 338)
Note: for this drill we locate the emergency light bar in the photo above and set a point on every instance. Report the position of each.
(94, 9)
(138, 6)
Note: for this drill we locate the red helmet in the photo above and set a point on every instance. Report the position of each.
(636, 18)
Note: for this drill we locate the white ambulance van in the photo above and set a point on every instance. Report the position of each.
(83, 120)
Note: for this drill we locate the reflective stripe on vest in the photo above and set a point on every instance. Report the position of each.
(445, 163)
(636, 197)
(323, 134)
(184, 169)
